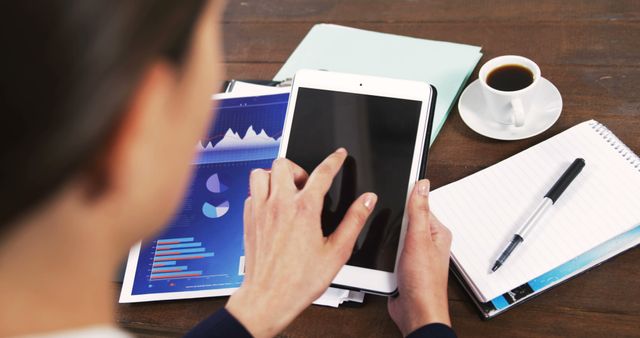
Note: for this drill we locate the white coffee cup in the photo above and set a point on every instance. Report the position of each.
(509, 107)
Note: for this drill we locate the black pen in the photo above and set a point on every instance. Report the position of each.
(549, 199)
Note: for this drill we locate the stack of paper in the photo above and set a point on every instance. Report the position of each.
(334, 297)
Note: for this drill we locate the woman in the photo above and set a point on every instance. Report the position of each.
(102, 102)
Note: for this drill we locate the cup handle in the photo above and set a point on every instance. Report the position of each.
(518, 111)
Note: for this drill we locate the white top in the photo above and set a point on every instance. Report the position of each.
(99, 331)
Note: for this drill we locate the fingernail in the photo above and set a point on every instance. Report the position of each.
(423, 187)
(370, 201)
(341, 150)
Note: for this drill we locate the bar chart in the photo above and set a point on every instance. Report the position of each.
(172, 257)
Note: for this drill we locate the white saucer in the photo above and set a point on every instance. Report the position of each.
(473, 111)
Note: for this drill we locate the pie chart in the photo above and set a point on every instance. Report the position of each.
(214, 185)
(213, 211)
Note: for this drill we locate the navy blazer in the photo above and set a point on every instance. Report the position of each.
(223, 324)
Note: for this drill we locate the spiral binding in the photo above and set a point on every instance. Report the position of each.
(616, 143)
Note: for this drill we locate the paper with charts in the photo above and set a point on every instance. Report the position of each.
(201, 253)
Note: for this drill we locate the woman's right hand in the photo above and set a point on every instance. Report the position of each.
(423, 268)
(289, 263)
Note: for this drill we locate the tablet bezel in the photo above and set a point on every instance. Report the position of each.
(353, 277)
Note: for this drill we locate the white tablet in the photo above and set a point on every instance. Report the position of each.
(385, 125)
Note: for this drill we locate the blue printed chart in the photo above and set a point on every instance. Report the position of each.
(201, 249)
(171, 255)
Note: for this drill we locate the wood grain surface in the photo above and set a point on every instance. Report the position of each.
(589, 49)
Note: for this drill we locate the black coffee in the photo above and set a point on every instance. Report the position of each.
(510, 78)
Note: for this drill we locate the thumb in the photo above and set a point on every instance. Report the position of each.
(440, 234)
(343, 238)
(418, 212)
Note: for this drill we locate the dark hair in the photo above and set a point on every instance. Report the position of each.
(68, 68)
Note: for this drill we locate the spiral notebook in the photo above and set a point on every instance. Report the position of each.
(597, 217)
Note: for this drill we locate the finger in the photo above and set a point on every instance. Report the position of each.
(344, 237)
(418, 212)
(281, 175)
(249, 237)
(300, 176)
(259, 185)
(322, 176)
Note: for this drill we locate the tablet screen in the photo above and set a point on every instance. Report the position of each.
(379, 133)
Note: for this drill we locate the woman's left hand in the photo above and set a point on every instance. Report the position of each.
(289, 263)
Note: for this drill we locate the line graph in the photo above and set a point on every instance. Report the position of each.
(233, 148)
(232, 140)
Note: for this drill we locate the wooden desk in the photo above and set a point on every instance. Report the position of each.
(589, 49)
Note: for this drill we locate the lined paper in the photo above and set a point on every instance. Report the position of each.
(484, 210)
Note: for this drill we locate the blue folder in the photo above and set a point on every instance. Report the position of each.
(556, 276)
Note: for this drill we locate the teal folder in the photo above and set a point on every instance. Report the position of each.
(445, 65)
